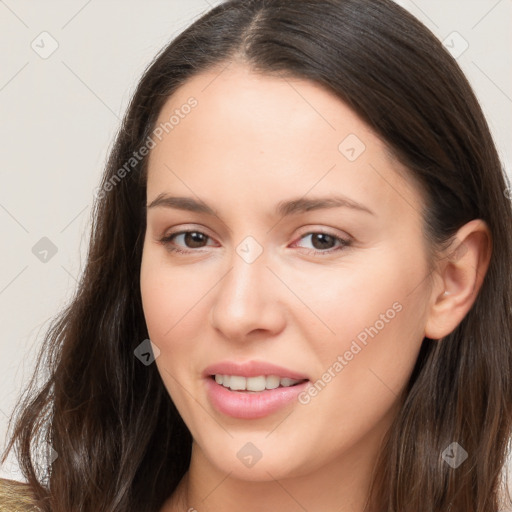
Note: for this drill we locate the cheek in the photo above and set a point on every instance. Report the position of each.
(361, 376)
(174, 310)
(344, 303)
(170, 298)
(379, 332)
(169, 315)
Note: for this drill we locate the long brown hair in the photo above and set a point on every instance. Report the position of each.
(121, 444)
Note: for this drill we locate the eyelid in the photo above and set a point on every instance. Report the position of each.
(303, 231)
(184, 228)
(327, 231)
(344, 241)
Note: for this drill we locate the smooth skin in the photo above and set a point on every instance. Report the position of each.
(252, 142)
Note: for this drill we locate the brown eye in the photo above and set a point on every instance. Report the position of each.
(322, 241)
(325, 243)
(192, 240)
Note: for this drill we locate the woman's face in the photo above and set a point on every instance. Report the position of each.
(307, 263)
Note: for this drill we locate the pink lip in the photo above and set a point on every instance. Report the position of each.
(251, 369)
(247, 405)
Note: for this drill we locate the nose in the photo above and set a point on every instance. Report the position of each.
(248, 300)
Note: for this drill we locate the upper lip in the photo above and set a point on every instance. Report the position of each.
(252, 369)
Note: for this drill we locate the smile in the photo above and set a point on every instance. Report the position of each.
(254, 384)
(252, 389)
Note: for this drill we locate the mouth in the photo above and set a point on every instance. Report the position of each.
(255, 384)
(252, 398)
(252, 389)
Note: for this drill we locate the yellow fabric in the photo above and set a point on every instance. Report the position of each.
(16, 497)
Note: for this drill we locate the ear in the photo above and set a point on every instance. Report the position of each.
(460, 275)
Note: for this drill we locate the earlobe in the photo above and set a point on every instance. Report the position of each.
(461, 273)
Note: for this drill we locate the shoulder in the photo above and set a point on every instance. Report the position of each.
(16, 497)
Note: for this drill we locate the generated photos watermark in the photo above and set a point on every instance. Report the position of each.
(356, 346)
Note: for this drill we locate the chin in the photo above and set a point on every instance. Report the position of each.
(257, 461)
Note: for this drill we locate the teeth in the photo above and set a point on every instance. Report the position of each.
(272, 382)
(254, 384)
(237, 383)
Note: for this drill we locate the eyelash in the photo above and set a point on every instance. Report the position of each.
(166, 241)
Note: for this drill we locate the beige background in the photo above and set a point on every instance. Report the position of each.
(59, 114)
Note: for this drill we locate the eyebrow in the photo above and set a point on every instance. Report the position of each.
(283, 208)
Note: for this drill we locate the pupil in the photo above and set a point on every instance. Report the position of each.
(190, 236)
(317, 236)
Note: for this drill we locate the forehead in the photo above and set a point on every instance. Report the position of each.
(271, 137)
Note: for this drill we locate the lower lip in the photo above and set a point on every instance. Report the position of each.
(249, 406)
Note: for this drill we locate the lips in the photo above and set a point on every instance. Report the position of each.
(252, 369)
(253, 384)
(247, 404)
